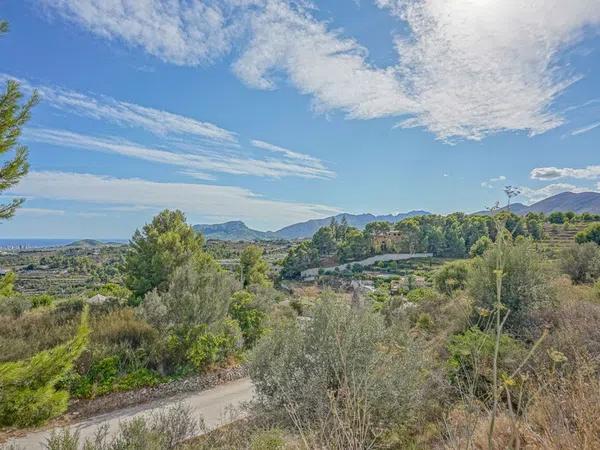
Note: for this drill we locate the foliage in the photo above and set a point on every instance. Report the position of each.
(14, 306)
(250, 316)
(300, 257)
(417, 295)
(471, 359)
(480, 246)
(339, 371)
(215, 345)
(164, 429)
(7, 284)
(13, 116)
(158, 250)
(27, 388)
(197, 293)
(41, 300)
(254, 269)
(452, 236)
(590, 234)
(451, 276)
(581, 262)
(114, 290)
(525, 280)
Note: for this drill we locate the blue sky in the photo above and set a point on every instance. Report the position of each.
(274, 111)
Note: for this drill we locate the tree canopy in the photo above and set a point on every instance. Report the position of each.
(162, 246)
(14, 114)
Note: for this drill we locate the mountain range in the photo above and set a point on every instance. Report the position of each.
(577, 202)
(238, 231)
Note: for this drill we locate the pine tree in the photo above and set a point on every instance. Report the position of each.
(28, 392)
(13, 115)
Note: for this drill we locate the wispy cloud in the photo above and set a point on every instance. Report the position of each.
(585, 129)
(40, 212)
(128, 114)
(465, 69)
(554, 173)
(218, 162)
(290, 154)
(180, 32)
(209, 201)
(489, 184)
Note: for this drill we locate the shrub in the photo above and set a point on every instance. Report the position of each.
(162, 430)
(480, 246)
(525, 282)
(197, 294)
(248, 314)
(419, 294)
(471, 357)
(590, 234)
(27, 388)
(14, 306)
(451, 277)
(339, 377)
(41, 300)
(216, 345)
(581, 262)
(268, 440)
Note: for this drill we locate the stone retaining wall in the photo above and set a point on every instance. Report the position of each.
(119, 400)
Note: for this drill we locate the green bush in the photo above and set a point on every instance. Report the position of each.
(14, 306)
(419, 294)
(471, 359)
(318, 375)
(590, 234)
(215, 346)
(451, 277)
(526, 283)
(268, 440)
(28, 395)
(41, 300)
(581, 262)
(480, 246)
(249, 316)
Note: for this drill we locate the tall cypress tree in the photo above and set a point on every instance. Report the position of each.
(13, 115)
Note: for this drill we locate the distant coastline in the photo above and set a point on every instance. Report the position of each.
(26, 243)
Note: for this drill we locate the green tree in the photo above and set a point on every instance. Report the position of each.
(254, 269)
(28, 393)
(557, 217)
(300, 257)
(13, 116)
(590, 234)
(158, 250)
(324, 241)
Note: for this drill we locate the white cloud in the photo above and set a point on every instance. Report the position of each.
(554, 173)
(222, 162)
(180, 32)
(585, 129)
(319, 62)
(290, 154)
(127, 114)
(465, 69)
(209, 201)
(481, 67)
(489, 184)
(535, 195)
